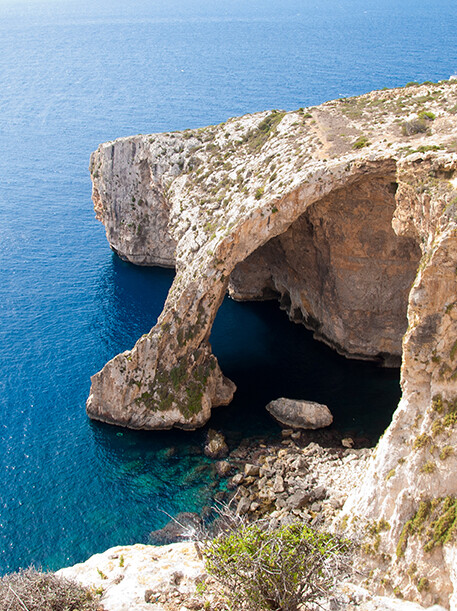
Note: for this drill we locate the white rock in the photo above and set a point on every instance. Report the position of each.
(144, 567)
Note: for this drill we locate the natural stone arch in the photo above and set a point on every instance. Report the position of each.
(205, 199)
(171, 377)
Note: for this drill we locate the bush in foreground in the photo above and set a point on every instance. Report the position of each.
(31, 590)
(275, 569)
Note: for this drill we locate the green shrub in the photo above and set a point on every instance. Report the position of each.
(257, 137)
(35, 591)
(259, 192)
(423, 584)
(361, 142)
(275, 569)
(428, 467)
(427, 114)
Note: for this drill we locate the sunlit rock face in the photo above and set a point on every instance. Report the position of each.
(411, 487)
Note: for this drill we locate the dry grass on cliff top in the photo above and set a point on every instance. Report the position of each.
(30, 590)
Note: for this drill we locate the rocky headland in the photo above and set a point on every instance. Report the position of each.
(347, 214)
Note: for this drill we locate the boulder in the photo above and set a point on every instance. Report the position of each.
(278, 485)
(215, 446)
(297, 500)
(300, 414)
(237, 479)
(347, 442)
(250, 470)
(244, 504)
(223, 468)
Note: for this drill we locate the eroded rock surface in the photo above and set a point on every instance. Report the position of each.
(411, 488)
(341, 270)
(142, 577)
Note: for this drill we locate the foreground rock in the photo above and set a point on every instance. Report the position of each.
(300, 414)
(142, 577)
(170, 578)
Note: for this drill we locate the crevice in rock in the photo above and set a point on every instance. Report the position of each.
(340, 270)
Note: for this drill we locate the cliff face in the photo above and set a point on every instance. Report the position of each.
(131, 203)
(345, 212)
(411, 484)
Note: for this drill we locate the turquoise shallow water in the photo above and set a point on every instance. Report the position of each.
(76, 74)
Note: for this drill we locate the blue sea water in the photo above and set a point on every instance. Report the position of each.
(72, 75)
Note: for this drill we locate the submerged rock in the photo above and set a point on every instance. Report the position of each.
(300, 414)
(223, 468)
(347, 442)
(183, 526)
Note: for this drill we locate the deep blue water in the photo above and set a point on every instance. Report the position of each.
(72, 75)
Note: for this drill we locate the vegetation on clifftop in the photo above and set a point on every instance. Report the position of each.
(32, 590)
(286, 568)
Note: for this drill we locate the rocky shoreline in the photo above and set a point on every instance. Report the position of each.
(300, 476)
(304, 475)
(295, 477)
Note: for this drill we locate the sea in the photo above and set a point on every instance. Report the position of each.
(73, 75)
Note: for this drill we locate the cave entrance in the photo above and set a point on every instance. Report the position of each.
(341, 271)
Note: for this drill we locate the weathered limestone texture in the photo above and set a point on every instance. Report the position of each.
(129, 198)
(413, 474)
(142, 577)
(346, 213)
(341, 270)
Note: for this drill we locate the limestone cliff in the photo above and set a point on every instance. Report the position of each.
(347, 213)
(411, 487)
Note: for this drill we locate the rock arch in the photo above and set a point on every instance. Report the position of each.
(343, 270)
(215, 200)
